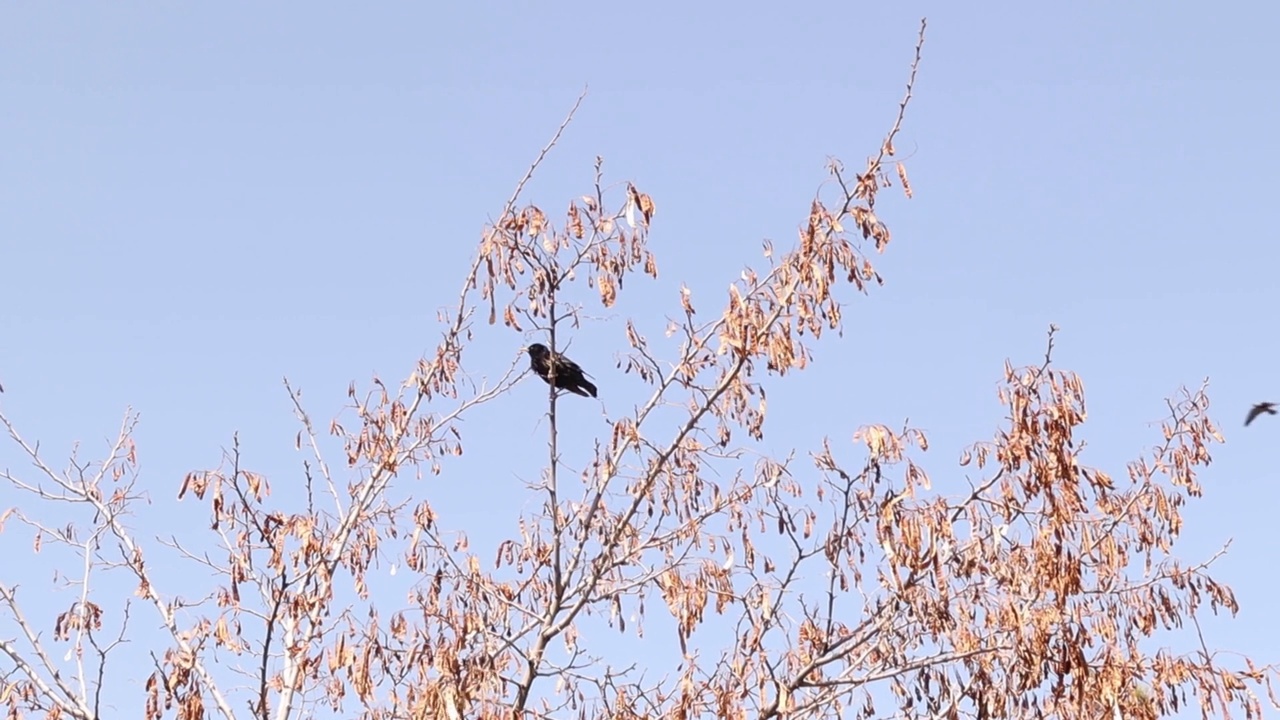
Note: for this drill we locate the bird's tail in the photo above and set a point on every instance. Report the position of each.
(590, 388)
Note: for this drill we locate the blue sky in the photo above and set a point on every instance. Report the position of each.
(197, 201)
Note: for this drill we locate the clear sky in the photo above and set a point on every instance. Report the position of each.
(196, 201)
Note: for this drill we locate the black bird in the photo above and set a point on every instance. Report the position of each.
(1262, 407)
(568, 376)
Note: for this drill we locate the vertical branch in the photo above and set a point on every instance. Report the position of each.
(82, 609)
(102, 660)
(552, 490)
(264, 679)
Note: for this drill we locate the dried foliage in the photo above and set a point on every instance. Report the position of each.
(834, 587)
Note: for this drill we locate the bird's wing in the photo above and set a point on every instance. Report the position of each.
(1254, 412)
(569, 365)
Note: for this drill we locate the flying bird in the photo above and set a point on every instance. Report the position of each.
(1262, 407)
(568, 375)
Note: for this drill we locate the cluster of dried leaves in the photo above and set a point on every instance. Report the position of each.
(795, 591)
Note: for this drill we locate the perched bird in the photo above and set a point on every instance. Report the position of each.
(1262, 407)
(568, 376)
